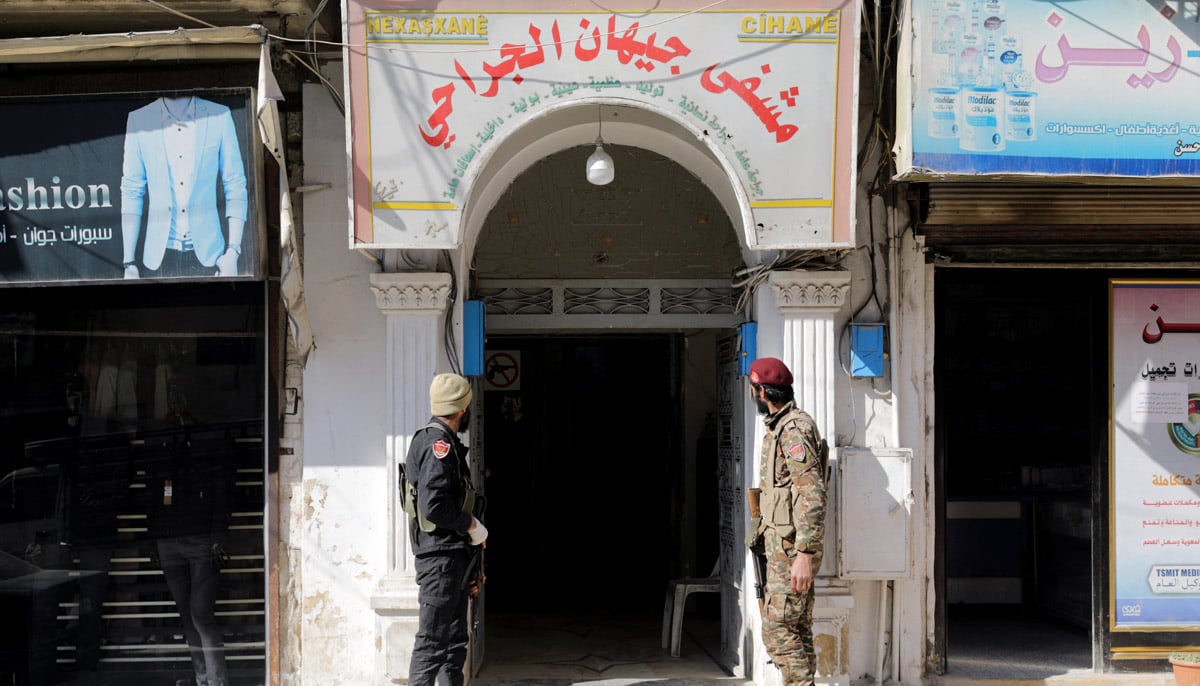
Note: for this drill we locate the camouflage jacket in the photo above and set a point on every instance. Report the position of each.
(793, 481)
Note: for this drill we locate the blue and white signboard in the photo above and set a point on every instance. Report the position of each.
(1099, 88)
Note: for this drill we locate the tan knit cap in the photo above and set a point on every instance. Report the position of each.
(448, 394)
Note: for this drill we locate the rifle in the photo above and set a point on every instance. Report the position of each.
(474, 574)
(473, 567)
(754, 541)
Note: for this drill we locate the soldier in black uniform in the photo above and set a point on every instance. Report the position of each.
(442, 534)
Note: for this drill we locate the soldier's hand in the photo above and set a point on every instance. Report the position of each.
(802, 573)
(476, 584)
(478, 533)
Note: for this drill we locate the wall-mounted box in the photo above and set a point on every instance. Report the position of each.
(474, 337)
(867, 350)
(747, 346)
(875, 513)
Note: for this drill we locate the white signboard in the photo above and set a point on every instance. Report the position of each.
(433, 92)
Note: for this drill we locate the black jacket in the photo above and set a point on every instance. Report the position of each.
(437, 465)
(189, 483)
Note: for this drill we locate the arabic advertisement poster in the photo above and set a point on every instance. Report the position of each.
(434, 94)
(1154, 484)
(66, 163)
(1105, 88)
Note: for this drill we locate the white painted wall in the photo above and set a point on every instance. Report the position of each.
(914, 371)
(343, 537)
(867, 417)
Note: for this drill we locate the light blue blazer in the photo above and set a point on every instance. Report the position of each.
(145, 172)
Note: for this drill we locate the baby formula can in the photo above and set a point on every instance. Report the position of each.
(943, 112)
(954, 22)
(1010, 60)
(1020, 123)
(968, 61)
(982, 116)
(937, 19)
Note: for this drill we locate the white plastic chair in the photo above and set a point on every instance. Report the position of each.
(678, 591)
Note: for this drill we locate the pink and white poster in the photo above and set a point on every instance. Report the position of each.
(1154, 484)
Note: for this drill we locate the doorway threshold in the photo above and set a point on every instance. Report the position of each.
(1012, 646)
(1082, 678)
(599, 649)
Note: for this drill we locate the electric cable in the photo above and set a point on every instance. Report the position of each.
(745, 281)
(456, 51)
(448, 339)
(312, 63)
(182, 14)
(877, 151)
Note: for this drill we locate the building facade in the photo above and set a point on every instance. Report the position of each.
(417, 200)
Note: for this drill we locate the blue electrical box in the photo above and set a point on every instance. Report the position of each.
(473, 338)
(867, 350)
(747, 346)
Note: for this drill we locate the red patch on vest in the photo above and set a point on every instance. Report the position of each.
(441, 449)
(796, 452)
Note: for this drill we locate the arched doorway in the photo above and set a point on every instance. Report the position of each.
(604, 449)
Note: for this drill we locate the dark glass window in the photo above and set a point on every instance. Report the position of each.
(132, 484)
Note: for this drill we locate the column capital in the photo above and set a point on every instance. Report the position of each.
(810, 292)
(411, 293)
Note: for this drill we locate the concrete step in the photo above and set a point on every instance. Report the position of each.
(1087, 678)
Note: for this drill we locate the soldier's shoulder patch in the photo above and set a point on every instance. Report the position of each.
(441, 449)
(795, 451)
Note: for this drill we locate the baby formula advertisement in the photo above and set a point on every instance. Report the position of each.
(983, 115)
(1099, 88)
(1154, 466)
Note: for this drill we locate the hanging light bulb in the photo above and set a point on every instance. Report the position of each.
(600, 170)
(600, 166)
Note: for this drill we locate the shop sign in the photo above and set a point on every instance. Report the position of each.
(1154, 478)
(434, 92)
(93, 185)
(1023, 87)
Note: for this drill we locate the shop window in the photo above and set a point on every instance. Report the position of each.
(132, 472)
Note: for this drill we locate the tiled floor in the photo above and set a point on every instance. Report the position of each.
(997, 646)
(623, 650)
(614, 650)
(994, 649)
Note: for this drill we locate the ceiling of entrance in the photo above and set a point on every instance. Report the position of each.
(655, 221)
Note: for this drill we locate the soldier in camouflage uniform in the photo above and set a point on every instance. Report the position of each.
(792, 478)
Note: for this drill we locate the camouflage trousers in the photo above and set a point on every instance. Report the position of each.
(787, 626)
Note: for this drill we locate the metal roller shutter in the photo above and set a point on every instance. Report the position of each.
(1017, 222)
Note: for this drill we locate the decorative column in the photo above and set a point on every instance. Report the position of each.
(414, 306)
(808, 302)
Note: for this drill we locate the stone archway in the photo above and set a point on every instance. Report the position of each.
(625, 123)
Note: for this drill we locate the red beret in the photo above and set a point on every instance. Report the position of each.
(770, 371)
